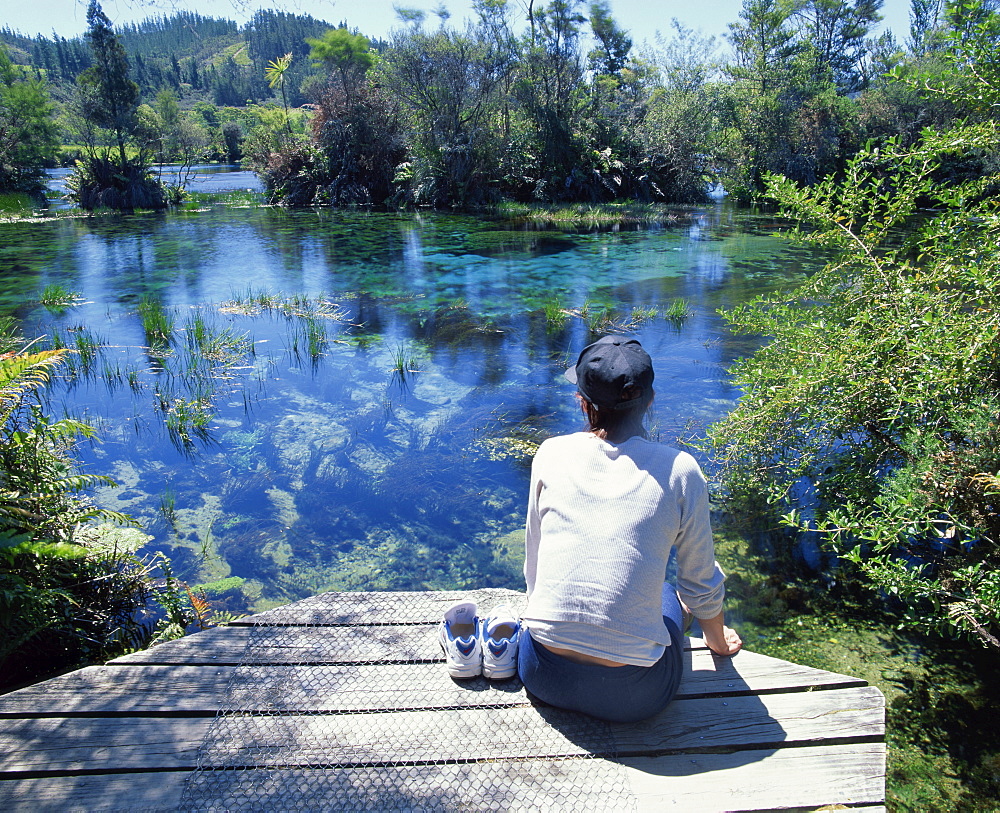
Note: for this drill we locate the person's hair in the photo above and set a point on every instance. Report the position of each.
(616, 425)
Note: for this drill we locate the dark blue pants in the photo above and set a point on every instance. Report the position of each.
(621, 694)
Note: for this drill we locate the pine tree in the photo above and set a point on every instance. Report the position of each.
(109, 97)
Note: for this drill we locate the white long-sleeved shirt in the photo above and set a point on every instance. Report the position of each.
(602, 520)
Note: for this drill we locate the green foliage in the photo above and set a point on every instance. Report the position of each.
(787, 110)
(108, 96)
(65, 598)
(117, 131)
(349, 55)
(27, 129)
(57, 298)
(678, 311)
(157, 324)
(446, 81)
(871, 415)
(185, 608)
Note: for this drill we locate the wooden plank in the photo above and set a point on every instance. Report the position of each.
(302, 644)
(115, 743)
(285, 645)
(382, 608)
(182, 689)
(101, 743)
(401, 644)
(808, 777)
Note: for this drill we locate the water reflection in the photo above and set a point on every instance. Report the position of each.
(350, 399)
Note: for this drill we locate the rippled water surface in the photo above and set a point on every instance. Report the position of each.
(343, 400)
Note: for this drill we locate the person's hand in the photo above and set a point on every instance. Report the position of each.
(723, 642)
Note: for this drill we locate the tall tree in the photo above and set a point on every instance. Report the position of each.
(613, 44)
(346, 54)
(110, 99)
(27, 130)
(551, 90)
(447, 80)
(765, 43)
(835, 33)
(926, 17)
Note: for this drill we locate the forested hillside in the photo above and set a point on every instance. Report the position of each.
(214, 60)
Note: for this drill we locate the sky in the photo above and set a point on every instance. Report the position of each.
(374, 18)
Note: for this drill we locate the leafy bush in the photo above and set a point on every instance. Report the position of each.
(66, 597)
(872, 417)
(353, 158)
(103, 183)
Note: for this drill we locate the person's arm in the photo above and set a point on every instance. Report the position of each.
(722, 640)
(532, 532)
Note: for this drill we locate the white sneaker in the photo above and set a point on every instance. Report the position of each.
(463, 652)
(500, 633)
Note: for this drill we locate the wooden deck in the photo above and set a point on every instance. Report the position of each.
(341, 701)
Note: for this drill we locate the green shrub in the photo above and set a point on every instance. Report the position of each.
(65, 599)
(102, 183)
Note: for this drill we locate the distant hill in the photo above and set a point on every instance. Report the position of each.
(201, 58)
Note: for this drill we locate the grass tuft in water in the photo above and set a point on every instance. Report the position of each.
(168, 503)
(88, 348)
(157, 323)
(222, 346)
(556, 316)
(582, 214)
(57, 298)
(402, 361)
(186, 416)
(308, 335)
(315, 333)
(678, 311)
(642, 314)
(237, 197)
(599, 318)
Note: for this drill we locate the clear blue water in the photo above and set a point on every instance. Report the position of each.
(393, 453)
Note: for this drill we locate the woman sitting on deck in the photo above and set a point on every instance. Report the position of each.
(602, 631)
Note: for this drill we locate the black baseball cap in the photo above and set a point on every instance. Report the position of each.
(613, 373)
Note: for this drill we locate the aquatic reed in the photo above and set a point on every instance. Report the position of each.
(57, 298)
(402, 361)
(308, 334)
(253, 303)
(157, 323)
(678, 311)
(556, 315)
(168, 501)
(87, 348)
(205, 341)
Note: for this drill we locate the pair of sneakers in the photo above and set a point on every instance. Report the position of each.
(480, 646)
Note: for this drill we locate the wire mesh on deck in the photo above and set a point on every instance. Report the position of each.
(342, 702)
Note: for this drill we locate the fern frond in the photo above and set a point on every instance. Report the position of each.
(23, 373)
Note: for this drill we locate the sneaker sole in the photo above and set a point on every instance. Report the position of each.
(500, 673)
(463, 674)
